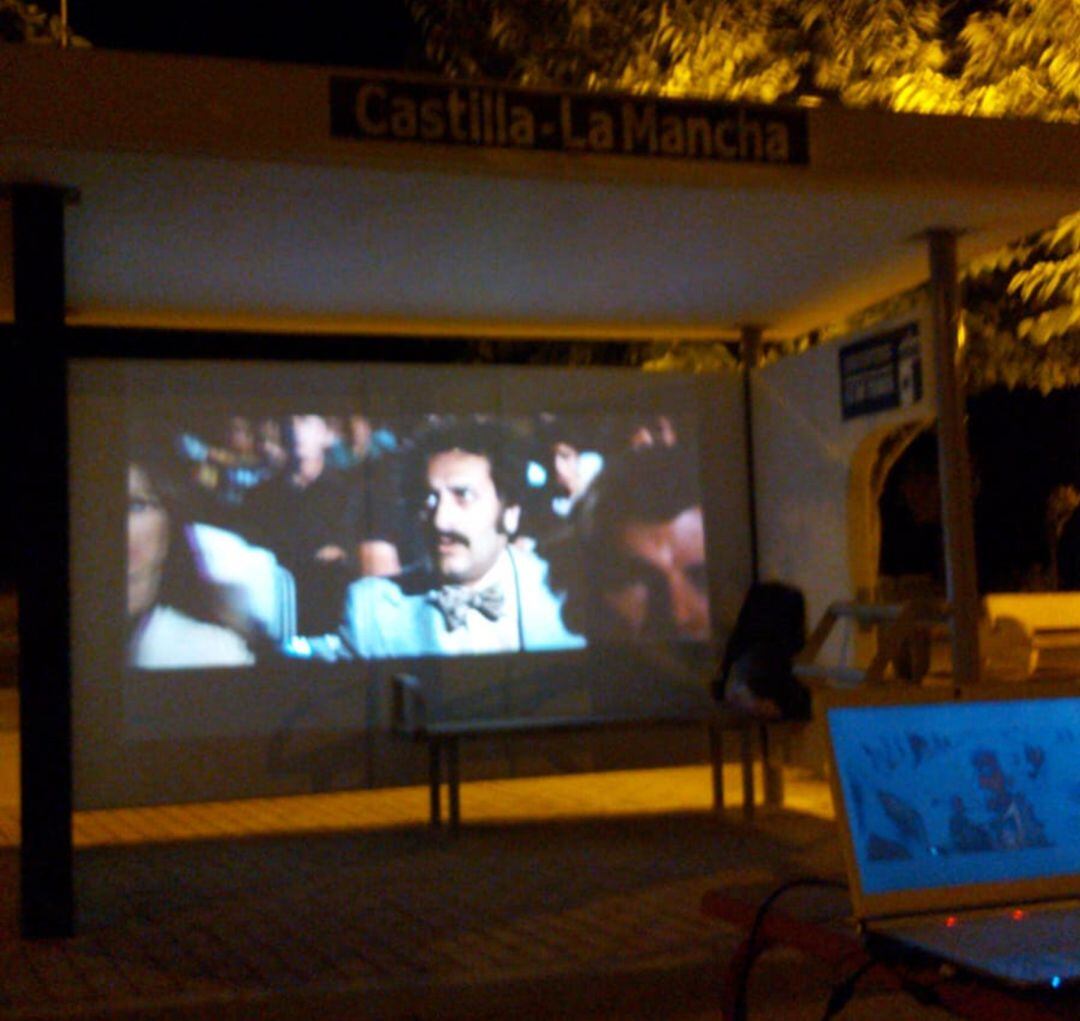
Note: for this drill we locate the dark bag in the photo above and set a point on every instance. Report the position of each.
(768, 634)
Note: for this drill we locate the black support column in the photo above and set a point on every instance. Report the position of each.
(41, 494)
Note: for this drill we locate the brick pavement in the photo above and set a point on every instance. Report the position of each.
(562, 896)
(569, 897)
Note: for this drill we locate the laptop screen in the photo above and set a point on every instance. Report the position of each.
(959, 793)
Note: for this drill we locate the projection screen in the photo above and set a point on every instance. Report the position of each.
(257, 546)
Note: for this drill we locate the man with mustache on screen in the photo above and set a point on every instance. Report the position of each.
(475, 592)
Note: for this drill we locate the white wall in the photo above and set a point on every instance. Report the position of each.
(810, 521)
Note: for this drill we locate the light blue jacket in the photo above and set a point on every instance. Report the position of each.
(395, 617)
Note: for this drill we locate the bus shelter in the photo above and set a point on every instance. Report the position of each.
(212, 206)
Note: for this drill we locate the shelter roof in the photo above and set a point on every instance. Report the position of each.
(212, 193)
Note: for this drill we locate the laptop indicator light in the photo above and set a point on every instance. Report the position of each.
(1055, 982)
(950, 921)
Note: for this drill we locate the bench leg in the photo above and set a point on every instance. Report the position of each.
(716, 758)
(435, 781)
(746, 754)
(453, 785)
(772, 772)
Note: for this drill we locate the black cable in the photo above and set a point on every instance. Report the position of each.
(752, 939)
(843, 991)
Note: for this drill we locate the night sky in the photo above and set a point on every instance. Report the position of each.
(357, 33)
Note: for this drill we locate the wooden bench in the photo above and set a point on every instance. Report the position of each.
(1033, 634)
(409, 719)
(913, 621)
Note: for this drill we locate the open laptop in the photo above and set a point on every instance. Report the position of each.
(961, 828)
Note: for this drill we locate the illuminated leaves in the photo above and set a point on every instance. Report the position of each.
(1025, 301)
(1012, 58)
(885, 53)
(565, 43)
(1016, 58)
(730, 52)
(1049, 281)
(691, 356)
(1023, 59)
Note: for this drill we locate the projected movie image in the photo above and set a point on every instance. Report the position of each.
(325, 534)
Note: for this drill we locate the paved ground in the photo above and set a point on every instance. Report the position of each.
(562, 897)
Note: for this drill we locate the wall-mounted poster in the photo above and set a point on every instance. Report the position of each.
(881, 372)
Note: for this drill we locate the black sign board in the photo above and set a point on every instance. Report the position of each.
(881, 372)
(491, 116)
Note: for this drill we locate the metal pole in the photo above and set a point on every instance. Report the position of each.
(953, 460)
(750, 342)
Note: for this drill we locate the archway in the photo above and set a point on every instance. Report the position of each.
(876, 469)
(895, 547)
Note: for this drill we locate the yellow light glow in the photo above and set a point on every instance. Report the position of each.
(621, 793)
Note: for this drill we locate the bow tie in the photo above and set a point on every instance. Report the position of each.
(453, 601)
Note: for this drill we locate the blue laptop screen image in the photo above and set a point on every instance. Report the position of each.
(960, 793)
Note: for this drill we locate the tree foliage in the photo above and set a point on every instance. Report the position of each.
(888, 53)
(22, 22)
(1022, 59)
(674, 48)
(1022, 303)
(997, 58)
(1022, 312)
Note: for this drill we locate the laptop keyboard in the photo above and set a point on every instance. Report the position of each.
(1037, 944)
(1036, 966)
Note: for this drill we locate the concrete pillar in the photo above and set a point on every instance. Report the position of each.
(953, 461)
